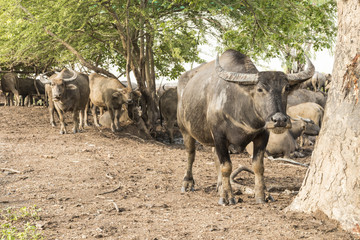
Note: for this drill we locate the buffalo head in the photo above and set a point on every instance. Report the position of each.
(269, 91)
(59, 81)
(122, 96)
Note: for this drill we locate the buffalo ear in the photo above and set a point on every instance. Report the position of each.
(71, 86)
(116, 94)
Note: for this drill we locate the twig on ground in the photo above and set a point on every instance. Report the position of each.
(111, 191)
(288, 161)
(136, 137)
(115, 205)
(10, 170)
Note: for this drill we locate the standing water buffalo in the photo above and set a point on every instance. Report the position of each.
(10, 84)
(168, 107)
(69, 92)
(234, 104)
(109, 93)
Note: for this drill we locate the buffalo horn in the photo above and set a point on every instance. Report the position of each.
(44, 79)
(242, 78)
(73, 77)
(304, 75)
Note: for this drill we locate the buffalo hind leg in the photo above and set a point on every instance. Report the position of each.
(188, 182)
(93, 111)
(258, 166)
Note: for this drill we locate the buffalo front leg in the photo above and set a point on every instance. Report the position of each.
(62, 121)
(188, 182)
(112, 117)
(258, 166)
(224, 168)
(76, 121)
(117, 114)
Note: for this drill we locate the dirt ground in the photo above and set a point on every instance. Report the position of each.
(100, 185)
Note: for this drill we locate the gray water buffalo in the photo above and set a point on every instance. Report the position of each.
(10, 85)
(308, 110)
(285, 143)
(69, 92)
(304, 95)
(320, 80)
(110, 93)
(29, 87)
(168, 108)
(228, 101)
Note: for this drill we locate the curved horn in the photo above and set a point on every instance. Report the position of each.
(242, 78)
(73, 77)
(306, 119)
(44, 79)
(304, 75)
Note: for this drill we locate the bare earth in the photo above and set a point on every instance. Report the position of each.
(100, 185)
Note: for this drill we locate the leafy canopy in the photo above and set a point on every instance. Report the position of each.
(174, 30)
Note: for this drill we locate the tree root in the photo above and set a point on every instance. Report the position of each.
(288, 161)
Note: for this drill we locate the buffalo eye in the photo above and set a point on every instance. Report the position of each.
(287, 88)
(259, 90)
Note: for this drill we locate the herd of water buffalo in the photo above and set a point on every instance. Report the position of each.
(226, 103)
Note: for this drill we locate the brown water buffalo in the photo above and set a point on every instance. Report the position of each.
(69, 92)
(168, 107)
(110, 93)
(228, 101)
(308, 110)
(10, 85)
(285, 143)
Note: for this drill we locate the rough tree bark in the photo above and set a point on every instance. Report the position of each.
(332, 183)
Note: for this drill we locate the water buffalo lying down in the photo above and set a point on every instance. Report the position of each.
(308, 110)
(304, 95)
(285, 143)
(228, 101)
(69, 92)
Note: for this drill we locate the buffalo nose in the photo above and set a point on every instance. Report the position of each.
(279, 119)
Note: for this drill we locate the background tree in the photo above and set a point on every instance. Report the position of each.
(155, 38)
(332, 183)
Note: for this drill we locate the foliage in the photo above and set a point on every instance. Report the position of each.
(19, 224)
(259, 28)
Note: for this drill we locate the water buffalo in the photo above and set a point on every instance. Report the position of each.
(228, 101)
(10, 85)
(29, 87)
(308, 110)
(320, 80)
(285, 143)
(168, 107)
(109, 93)
(69, 92)
(304, 95)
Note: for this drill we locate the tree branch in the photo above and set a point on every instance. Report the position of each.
(69, 47)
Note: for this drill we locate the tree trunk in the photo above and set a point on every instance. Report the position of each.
(332, 183)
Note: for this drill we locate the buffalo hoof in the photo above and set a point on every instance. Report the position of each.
(260, 200)
(223, 201)
(53, 124)
(62, 132)
(188, 186)
(270, 199)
